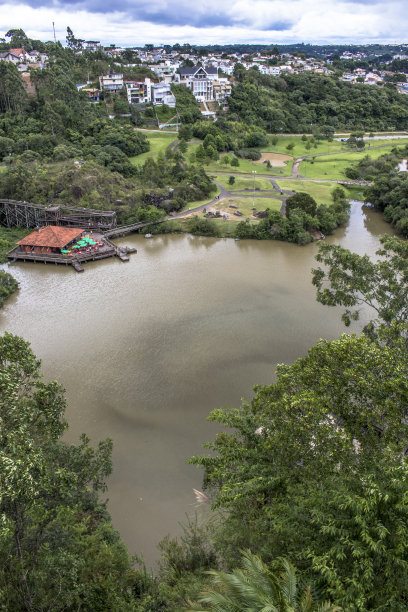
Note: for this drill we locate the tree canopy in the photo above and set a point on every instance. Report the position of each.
(58, 548)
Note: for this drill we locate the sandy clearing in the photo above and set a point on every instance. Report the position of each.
(277, 159)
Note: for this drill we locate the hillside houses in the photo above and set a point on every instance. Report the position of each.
(24, 59)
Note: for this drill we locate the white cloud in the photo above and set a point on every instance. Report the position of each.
(308, 21)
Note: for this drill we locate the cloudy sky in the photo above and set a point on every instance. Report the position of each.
(137, 22)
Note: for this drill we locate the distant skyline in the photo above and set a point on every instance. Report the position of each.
(137, 22)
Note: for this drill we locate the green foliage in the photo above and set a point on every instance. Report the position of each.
(253, 154)
(202, 227)
(12, 92)
(8, 239)
(389, 193)
(291, 102)
(186, 104)
(303, 201)
(354, 281)
(257, 588)
(313, 469)
(58, 547)
(183, 569)
(8, 285)
(231, 180)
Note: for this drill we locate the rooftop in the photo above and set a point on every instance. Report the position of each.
(51, 236)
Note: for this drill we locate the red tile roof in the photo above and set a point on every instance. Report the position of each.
(51, 236)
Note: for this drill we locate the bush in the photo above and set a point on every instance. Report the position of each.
(303, 201)
(8, 285)
(253, 154)
(202, 227)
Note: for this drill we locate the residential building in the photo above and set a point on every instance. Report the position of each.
(221, 89)
(372, 78)
(139, 92)
(8, 56)
(200, 81)
(111, 82)
(161, 94)
(92, 45)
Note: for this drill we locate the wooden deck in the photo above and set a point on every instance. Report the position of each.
(77, 261)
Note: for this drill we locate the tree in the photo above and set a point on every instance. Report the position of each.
(315, 469)
(58, 548)
(8, 284)
(257, 588)
(301, 200)
(231, 180)
(354, 281)
(73, 43)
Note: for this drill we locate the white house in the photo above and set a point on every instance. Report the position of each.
(200, 81)
(161, 94)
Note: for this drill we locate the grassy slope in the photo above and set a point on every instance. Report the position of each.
(243, 182)
(158, 143)
(319, 191)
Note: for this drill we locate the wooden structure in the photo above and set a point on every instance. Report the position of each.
(49, 239)
(14, 213)
(52, 244)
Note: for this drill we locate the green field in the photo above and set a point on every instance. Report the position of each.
(321, 192)
(333, 166)
(245, 205)
(323, 146)
(158, 143)
(243, 182)
(245, 165)
(202, 202)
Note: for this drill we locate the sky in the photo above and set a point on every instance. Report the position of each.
(137, 22)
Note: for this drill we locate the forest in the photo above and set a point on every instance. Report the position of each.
(299, 102)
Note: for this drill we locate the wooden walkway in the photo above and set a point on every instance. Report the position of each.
(121, 230)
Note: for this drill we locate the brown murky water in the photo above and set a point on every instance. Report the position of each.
(147, 348)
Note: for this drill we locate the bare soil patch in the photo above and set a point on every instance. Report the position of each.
(277, 159)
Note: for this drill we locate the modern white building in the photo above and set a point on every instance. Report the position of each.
(161, 94)
(200, 81)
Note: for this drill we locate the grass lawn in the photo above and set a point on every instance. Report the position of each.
(201, 202)
(158, 142)
(243, 182)
(321, 192)
(323, 146)
(332, 167)
(245, 205)
(245, 165)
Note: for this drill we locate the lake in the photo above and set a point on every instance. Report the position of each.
(146, 349)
